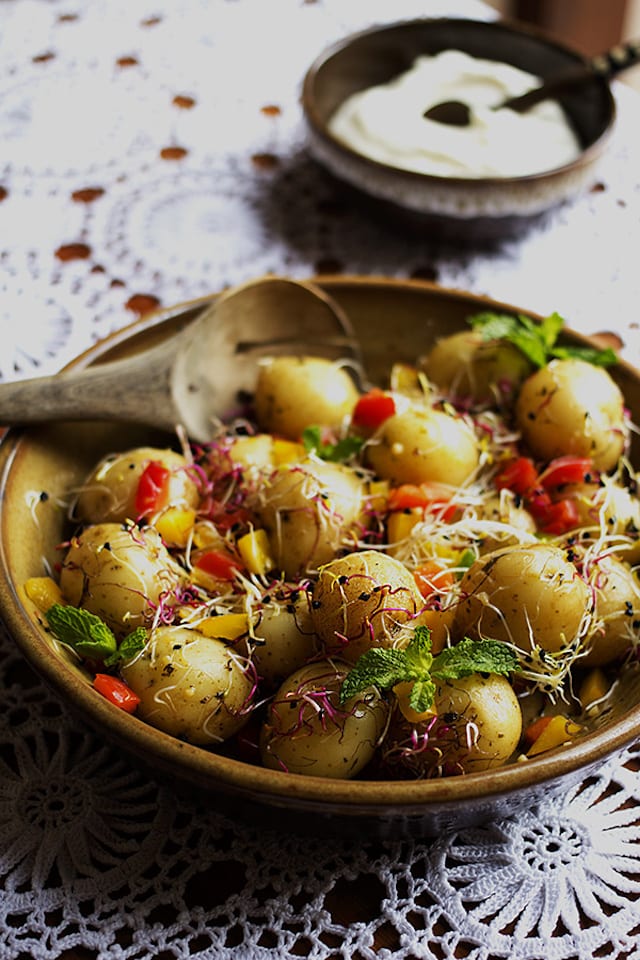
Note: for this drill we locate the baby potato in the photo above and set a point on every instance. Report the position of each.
(616, 617)
(284, 640)
(120, 573)
(514, 522)
(296, 392)
(572, 407)
(108, 494)
(360, 600)
(464, 365)
(308, 510)
(193, 687)
(529, 595)
(308, 732)
(423, 445)
(476, 724)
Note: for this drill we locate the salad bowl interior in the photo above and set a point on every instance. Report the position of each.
(392, 319)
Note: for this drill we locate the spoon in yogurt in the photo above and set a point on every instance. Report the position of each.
(605, 65)
(197, 375)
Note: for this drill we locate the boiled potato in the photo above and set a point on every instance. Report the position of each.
(423, 445)
(193, 687)
(360, 600)
(108, 494)
(475, 724)
(284, 639)
(616, 619)
(120, 573)
(296, 392)
(308, 510)
(572, 407)
(611, 509)
(529, 595)
(308, 732)
(465, 365)
(513, 523)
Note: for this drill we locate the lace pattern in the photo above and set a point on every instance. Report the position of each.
(154, 153)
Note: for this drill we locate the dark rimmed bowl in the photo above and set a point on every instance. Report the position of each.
(52, 458)
(463, 210)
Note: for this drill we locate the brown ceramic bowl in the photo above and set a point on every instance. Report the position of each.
(52, 458)
(465, 210)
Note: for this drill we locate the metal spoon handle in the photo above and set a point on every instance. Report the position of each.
(606, 65)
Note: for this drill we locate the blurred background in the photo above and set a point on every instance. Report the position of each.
(590, 26)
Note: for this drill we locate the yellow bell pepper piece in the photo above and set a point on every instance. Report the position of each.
(44, 592)
(228, 626)
(287, 451)
(175, 525)
(594, 686)
(559, 730)
(255, 552)
(401, 523)
(377, 495)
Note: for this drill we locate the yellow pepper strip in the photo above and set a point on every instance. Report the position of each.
(287, 451)
(228, 626)
(594, 686)
(377, 495)
(175, 525)
(558, 730)
(44, 592)
(401, 523)
(255, 551)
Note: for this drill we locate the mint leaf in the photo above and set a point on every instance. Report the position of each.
(86, 633)
(132, 644)
(343, 449)
(377, 667)
(474, 656)
(422, 695)
(537, 341)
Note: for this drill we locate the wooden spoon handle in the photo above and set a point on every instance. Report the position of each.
(606, 65)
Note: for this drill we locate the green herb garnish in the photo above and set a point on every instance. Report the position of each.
(90, 636)
(343, 449)
(383, 668)
(537, 341)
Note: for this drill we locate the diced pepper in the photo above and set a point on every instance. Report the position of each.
(429, 497)
(153, 487)
(255, 550)
(116, 691)
(557, 731)
(432, 577)
(594, 687)
(217, 564)
(555, 517)
(287, 451)
(567, 470)
(44, 592)
(535, 728)
(175, 525)
(377, 495)
(372, 409)
(228, 626)
(401, 523)
(519, 475)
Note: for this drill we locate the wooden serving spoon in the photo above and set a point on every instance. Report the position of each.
(197, 375)
(605, 65)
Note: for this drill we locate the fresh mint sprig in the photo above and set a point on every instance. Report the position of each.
(342, 450)
(90, 636)
(384, 668)
(537, 341)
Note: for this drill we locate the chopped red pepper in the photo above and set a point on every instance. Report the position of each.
(519, 475)
(554, 517)
(116, 691)
(431, 577)
(535, 728)
(372, 409)
(425, 496)
(567, 470)
(153, 487)
(217, 564)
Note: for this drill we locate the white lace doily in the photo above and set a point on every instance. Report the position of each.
(153, 152)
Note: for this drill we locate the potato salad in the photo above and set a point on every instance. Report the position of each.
(428, 577)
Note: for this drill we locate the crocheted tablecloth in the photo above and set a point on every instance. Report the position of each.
(154, 152)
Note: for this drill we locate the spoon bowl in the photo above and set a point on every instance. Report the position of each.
(197, 375)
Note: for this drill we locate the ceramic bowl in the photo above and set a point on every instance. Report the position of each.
(465, 210)
(52, 458)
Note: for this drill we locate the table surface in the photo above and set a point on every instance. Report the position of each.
(153, 153)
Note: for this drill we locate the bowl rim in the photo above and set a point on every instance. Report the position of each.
(319, 128)
(216, 771)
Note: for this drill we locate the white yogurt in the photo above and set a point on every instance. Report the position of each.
(387, 123)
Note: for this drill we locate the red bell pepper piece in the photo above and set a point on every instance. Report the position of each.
(567, 470)
(217, 564)
(153, 487)
(519, 475)
(116, 691)
(431, 577)
(372, 409)
(425, 496)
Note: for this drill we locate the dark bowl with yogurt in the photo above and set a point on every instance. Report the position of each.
(364, 100)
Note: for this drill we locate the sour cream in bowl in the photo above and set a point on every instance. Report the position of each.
(364, 100)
